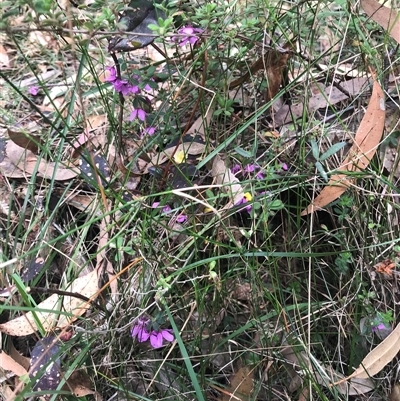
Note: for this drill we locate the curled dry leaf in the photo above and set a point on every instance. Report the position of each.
(379, 357)
(22, 360)
(29, 163)
(231, 184)
(387, 18)
(50, 317)
(366, 142)
(8, 363)
(79, 384)
(25, 138)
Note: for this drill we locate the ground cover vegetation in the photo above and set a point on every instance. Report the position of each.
(198, 200)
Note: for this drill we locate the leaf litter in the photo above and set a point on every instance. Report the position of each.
(365, 145)
(219, 170)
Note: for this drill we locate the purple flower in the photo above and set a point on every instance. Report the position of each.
(260, 175)
(137, 113)
(149, 131)
(140, 331)
(284, 167)
(181, 218)
(157, 337)
(236, 168)
(112, 74)
(250, 168)
(123, 86)
(189, 35)
(155, 205)
(380, 326)
(33, 90)
(246, 198)
(120, 85)
(166, 209)
(134, 89)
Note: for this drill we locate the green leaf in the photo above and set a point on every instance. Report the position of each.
(243, 153)
(321, 171)
(332, 150)
(276, 205)
(314, 149)
(153, 27)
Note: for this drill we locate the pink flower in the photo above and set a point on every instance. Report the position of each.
(112, 74)
(156, 338)
(140, 331)
(250, 168)
(155, 205)
(189, 35)
(260, 175)
(166, 209)
(246, 198)
(149, 131)
(380, 326)
(236, 168)
(137, 113)
(284, 167)
(181, 218)
(123, 86)
(33, 90)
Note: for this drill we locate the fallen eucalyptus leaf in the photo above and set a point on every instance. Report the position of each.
(366, 142)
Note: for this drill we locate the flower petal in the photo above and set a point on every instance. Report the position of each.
(143, 335)
(156, 339)
(167, 335)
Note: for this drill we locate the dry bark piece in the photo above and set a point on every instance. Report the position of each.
(365, 144)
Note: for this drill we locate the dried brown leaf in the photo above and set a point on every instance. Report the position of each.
(22, 360)
(4, 59)
(29, 163)
(241, 385)
(79, 384)
(8, 363)
(26, 324)
(231, 184)
(387, 18)
(24, 139)
(366, 142)
(379, 357)
(395, 393)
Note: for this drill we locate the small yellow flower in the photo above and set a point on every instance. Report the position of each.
(179, 156)
(248, 196)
